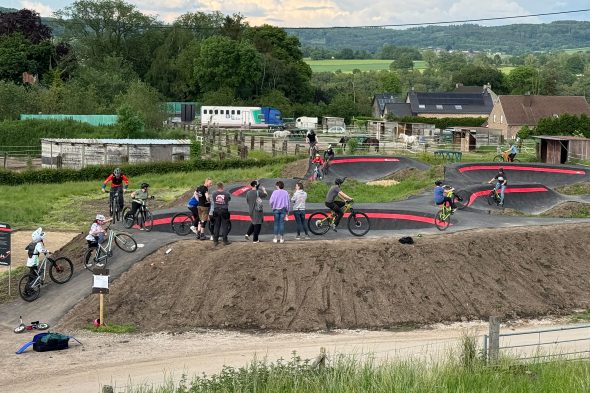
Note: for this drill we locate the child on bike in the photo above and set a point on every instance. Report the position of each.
(501, 182)
(441, 197)
(333, 204)
(139, 198)
(119, 183)
(97, 233)
(35, 248)
(317, 162)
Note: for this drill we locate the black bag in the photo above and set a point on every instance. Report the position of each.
(406, 240)
(43, 342)
(30, 248)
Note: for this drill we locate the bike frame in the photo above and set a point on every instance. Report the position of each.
(345, 209)
(41, 269)
(103, 253)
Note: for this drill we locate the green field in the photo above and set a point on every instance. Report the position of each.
(506, 69)
(574, 50)
(347, 66)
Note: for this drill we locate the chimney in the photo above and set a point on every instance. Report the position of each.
(528, 99)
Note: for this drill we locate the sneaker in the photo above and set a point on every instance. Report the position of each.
(203, 237)
(333, 227)
(274, 240)
(256, 241)
(282, 240)
(501, 204)
(211, 238)
(194, 229)
(297, 237)
(142, 229)
(246, 236)
(226, 242)
(99, 264)
(307, 237)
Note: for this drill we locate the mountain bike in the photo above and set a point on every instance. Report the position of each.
(442, 219)
(143, 217)
(60, 271)
(358, 222)
(504, 158)
(181, 224)
(114, 208)
(97, 255)
(317, 172)
(33, 326)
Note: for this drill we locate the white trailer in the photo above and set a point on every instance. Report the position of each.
(309, 123)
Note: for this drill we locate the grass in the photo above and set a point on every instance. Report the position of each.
(347, 66)
(118, 329)
(582, 188)
(347, 374)
(15, 275)
(583, 316)
(73, 205)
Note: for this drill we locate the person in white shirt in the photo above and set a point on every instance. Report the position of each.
(97, 233)
(34, 249)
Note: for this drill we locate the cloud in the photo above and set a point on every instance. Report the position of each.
(42, 9)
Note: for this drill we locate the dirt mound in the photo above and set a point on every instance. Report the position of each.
(369, 283)
(296, 169)
(581, 188)
(569, 210)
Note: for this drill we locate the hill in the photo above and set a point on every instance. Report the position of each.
(512, 39)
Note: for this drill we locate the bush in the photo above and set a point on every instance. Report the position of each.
(352, 145)
(100, 172)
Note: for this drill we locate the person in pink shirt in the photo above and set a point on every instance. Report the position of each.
(279, 202)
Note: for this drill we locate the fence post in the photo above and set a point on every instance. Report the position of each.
(285, 147)
(273, 143)
(262, 143)
(5, 158)
(494, 333)
(297, 149)
(251, 142)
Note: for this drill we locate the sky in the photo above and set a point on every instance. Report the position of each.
(326, 13)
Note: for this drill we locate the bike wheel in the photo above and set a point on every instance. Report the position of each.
(27, 293)
(93, 257)
(125, 242)
(516, 160)
(148, 221)
(20, 328)
(181, 224)
(318, 223)
(498, 158)
(491, 198)
(359, 224)
(461, 199)
(128, 220)
(61, 270)
(42, 326)
(442, 220)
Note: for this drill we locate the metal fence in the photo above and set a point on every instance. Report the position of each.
(568, 342)
(11, 154)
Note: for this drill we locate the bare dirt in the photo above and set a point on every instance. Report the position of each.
(569, 210)
(295, 169)
(579, 188)
(355, 283)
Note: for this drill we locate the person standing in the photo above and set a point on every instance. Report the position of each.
(220, 202)
(255, 209)
(202, 194)
(299, 197)
(279, 202)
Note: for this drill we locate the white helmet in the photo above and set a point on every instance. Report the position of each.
(329, 146)
(38, 235)
(100, 217)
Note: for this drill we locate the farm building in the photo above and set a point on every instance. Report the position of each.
(471, 138)
(78, 153)
(558, 149)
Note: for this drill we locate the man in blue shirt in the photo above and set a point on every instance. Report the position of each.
(512, 152)
(440, 195)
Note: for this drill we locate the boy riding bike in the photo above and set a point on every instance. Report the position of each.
(318, 164)
(335, 205)
(440, 195)
(35, 248)
(501, 182)
(139, 198)
(117, 178)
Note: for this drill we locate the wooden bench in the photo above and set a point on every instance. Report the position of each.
(449, 154)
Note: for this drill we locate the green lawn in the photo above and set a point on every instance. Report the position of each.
(575, 50)
(347, 66)
(506, 69)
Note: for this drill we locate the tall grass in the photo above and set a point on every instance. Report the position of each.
(350, 375)
(72, 205)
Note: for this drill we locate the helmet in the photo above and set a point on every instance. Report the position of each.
(38, 235)
(329, 146)
(144, 185)
(117, 172)
(254, 183)
(501, 170)
(317, 154)
(338, 181)
(438, 182)
(100, 217)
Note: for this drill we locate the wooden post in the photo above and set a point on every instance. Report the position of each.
(101, 309)
(5, 158)
(274, 152)
(252, 142)
(261, 143)
(494, 347)
(296, 149)
(285, 147)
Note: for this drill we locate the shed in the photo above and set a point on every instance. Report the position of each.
(558, 149)
(79, 153)
(470, 138)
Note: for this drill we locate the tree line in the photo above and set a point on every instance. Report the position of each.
(111, 58)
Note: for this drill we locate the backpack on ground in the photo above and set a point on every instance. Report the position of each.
(50, 341)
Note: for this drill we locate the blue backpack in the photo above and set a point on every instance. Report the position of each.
(49, 341)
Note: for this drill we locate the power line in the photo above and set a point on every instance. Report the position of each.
(438, 23)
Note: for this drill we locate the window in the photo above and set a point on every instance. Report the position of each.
(422, 106)
(439, 107)
(221, 111)
(215, 111)
(233, 111)
(238, 111)
(495, 118)
(459, 107)
(501, 119)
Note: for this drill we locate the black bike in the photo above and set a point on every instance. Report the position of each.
(181, 224)
(114, 208)
(143, 217)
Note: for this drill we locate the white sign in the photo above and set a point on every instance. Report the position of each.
(101, 282)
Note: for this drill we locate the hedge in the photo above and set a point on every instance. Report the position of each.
(101, 172)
